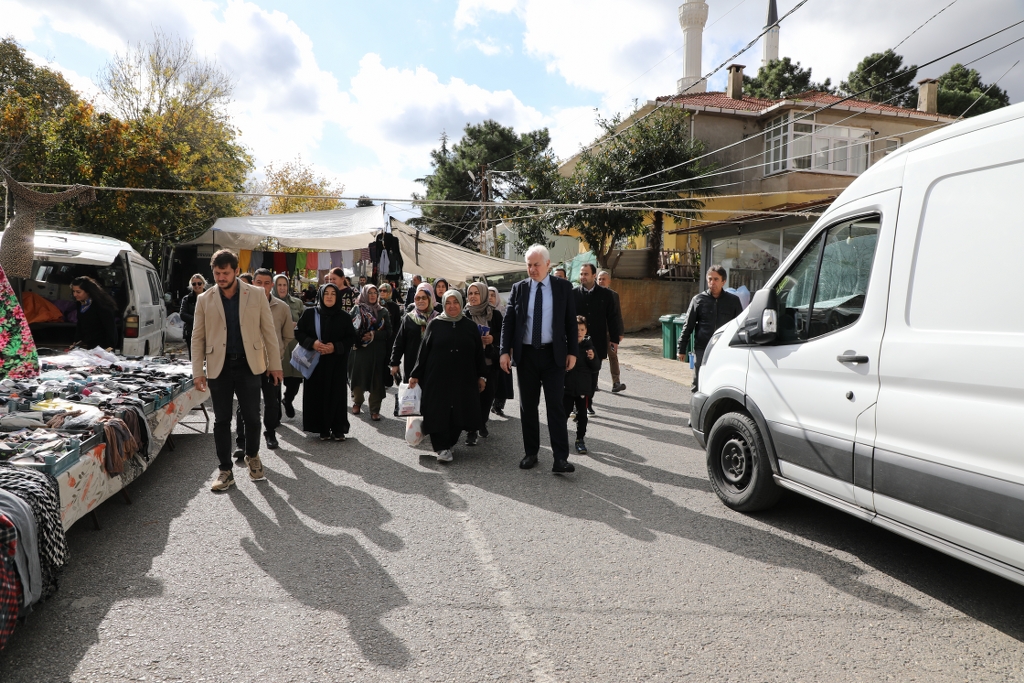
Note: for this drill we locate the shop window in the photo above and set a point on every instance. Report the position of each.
(825, 289)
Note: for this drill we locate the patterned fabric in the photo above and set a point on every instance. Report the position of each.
(18, 357)
(10, 586)
(42, 493)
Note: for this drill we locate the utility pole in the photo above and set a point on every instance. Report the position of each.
(484, 209)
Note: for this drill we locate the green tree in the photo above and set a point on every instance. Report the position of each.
(486, 150)
(295, 178)
(782, 78)
(961, 90)
(877, 68)
(609, 172)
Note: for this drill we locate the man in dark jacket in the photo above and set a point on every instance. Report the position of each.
(708, 311)
(597, 305)
(604, 279)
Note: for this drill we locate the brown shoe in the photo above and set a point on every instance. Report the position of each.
(255, 467)
(356, 407)
(224, 481)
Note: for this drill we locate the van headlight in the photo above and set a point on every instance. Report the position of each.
(711, 344)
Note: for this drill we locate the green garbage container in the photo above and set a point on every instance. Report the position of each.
(668, 338)
(677, 326)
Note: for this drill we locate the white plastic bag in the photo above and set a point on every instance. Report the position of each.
(175, 328)
(414, 430)
(409, 400)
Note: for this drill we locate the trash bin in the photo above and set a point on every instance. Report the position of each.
(678, 324)
(668, 338)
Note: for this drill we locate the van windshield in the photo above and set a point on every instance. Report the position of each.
(503, 281)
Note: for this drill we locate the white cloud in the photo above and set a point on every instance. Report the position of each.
(468, 11)
(488, 47)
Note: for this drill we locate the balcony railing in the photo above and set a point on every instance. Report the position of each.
(681, 265)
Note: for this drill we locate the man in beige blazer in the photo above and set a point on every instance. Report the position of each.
(233, 334)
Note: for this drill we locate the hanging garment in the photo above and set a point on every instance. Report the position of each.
(394, 250)
(336, 259)
(10, 587)
(39, 310)
(244, 259)
(349, 258)
(42, 494)
(256, 261)
(291, 259)
(364, 254)
(385, 263)
(26, 558)
(313, 261)
(280, 262)
(300, 261)
(18, 357)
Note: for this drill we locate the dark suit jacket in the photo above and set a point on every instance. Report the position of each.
(564, 339)
(598, 307)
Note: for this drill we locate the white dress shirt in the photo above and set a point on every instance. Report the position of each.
(547, 316)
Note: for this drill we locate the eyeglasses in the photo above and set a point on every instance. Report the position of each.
(197, 284)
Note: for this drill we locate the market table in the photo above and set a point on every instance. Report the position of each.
(86, 484)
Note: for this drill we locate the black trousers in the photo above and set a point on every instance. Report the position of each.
(487, 395)
(580, 404)
(271, 411)
(698, 355)
(187, 336)
(235, 380)
(291, 388)
(537, 369)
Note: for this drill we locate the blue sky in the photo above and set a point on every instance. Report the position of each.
(363, 90)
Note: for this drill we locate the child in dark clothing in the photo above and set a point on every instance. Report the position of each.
(579, 383)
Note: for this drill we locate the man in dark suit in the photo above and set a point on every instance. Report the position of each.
(539, 337)
(597, 305)
(604, 279)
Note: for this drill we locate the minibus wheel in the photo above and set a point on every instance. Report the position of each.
(738, 464)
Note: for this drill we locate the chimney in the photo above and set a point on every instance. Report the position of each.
(734, 87)
(928, 96)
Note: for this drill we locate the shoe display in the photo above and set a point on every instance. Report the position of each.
(255, 467)
(528, 462)
(224, 481)
(289, 409)
(472, 439)
(562, 467)
(618, 387)
(581, 447)
(483, 431)
(446, 455)
(271, 440)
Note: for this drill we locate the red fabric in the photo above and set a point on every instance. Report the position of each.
(280, 262)
(10, 585)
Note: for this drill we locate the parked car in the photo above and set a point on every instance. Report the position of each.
(60, 257)
(879, 371)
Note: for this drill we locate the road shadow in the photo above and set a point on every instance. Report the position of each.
(57, 635)
(326, 571)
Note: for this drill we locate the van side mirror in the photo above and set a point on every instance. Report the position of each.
(761, 325)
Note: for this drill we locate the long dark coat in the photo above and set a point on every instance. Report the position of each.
(406, 348)
(325, 396)
(395, 314)
(450, 364)
(603, 321)
(494, 369)
(367, 362)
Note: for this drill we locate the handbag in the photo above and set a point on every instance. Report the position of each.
(305, 360)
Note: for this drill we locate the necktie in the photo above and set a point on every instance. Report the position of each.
(538, 316)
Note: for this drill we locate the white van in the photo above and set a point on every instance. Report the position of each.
(60, 257)
(880, 370)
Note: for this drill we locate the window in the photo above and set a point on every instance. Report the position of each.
(825, 289)
(815, 146)
(154, 288)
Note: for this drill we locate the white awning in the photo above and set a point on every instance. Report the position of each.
(432, 257)
(335, 230)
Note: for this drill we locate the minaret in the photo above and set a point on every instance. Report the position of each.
(693, 15)
(770, 44)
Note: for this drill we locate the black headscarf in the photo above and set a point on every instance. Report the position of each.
(446, 288)
(328, 310)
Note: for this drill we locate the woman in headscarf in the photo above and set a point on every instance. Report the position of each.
(292, 377)
(503, 389)
(441, 288)
(365, 368)
(488, 320)
(409, 333)
(323, 401)
(387, 294)
(452, 372)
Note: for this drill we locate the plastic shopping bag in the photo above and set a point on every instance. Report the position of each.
(414, 430)
(409, 400)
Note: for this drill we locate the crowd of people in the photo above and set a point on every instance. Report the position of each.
(249, 337)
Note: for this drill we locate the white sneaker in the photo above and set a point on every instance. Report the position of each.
(446, 455)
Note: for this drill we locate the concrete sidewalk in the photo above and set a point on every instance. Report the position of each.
(642, 351)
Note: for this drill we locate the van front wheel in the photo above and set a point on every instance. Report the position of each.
(738, 464)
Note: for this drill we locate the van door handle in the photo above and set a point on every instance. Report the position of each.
(850, 358)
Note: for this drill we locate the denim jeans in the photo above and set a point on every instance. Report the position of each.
(235, 380)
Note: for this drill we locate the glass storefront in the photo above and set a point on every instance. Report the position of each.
(751, 258)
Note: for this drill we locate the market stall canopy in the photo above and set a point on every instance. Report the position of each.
(433, 257)
(336, 230)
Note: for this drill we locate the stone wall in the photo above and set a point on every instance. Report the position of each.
(644, 301)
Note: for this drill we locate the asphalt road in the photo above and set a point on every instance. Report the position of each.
(368, 561)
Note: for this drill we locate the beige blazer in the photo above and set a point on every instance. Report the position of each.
(210, 332)
(283, 325)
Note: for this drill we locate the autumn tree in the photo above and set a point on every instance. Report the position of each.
(295, 178)
(782, 78)
(613, 170)
(889, 80)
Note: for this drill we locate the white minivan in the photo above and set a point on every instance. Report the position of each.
(880, 370)
(134, 283)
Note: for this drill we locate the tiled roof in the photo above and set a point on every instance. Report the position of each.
(756, 104)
